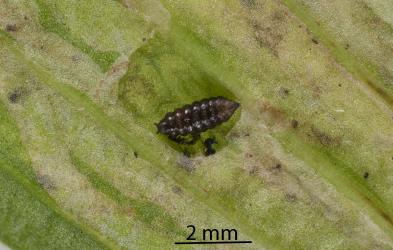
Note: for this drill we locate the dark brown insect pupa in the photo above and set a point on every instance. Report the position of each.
(195, 118)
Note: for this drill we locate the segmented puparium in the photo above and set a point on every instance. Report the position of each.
(197, 117)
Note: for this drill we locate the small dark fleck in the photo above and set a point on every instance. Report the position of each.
(248, 155)
(135, 154)
(339, 85)
(314, 40)
(347, 46)
(247, 134)
(42, 47)
(283, 92)
(144, 39)
(294, 123)
(254, 170)
(291, 197)
(11, 27)
(277, 168)
(177, 190)
(365, 175)
(14, 97)
(26, 18)
(300, 26)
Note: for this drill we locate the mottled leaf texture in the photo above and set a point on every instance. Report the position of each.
(306, 162)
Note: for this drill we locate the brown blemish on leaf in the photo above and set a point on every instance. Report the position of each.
(283, 92)
(129, 211)
(251, 4)
(254, 170)
(273, 115)
(177, 190)
(314, 40)
(290, 197)
(325, 139)
(14, 97)
(277, 168)
(248, 155)
(46, 182)
(11, 28)
(268, 36)
(294, 123)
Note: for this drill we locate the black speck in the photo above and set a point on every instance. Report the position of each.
(283, 92)
(276, 168)
(135, 154)
(339, 85)
(347, 46)
(314, 40)
(144, 39)
(294, 123)
(14, 97)
(365, 175)
(11, 27)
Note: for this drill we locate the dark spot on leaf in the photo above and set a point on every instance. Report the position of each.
(177, 190)
(276, 168)
(387, 217)
(365, 175)
(294, 123)
(248, 3)
(273, 115)
(269, 35)
(290, 197)
(11, 27)
(283, 92)
(339, 85)
(247, 134)
(324, 138)
(14, 97)
(314, 40)
(347, 46)
(135, 154)
(254, 170)
(144, 39)
(248, 155)
(46, 182)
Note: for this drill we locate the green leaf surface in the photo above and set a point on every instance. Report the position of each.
(305, 163)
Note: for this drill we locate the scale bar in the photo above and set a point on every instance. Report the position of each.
(214, 242)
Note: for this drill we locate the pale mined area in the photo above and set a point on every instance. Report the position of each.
(305, 163)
